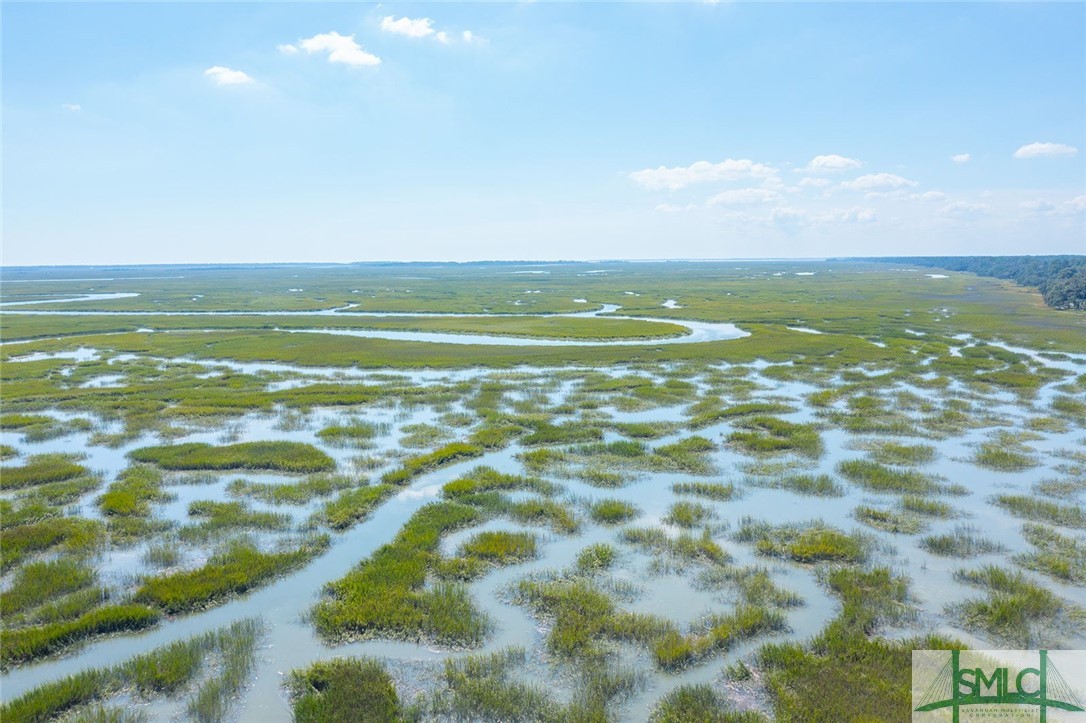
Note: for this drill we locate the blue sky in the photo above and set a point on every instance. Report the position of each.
(205, 132)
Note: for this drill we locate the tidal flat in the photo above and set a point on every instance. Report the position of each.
(626, 510)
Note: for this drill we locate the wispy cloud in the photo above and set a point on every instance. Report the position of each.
(877, 182)
(831, 163)
(965, 209)
(961, 158)
(411, 28)
(227, 76)
(340, 49)
(743, 197)
(73, 107)
(700, 172)
(1045, 150)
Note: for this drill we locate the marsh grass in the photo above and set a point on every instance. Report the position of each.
(20, 645)
(500, 547)
(720, 491)
(993, 455)
(807, 543)
(73, 534)
(419, 464)
(40, 469)
(596, 558)
(821, 485)
(218, 518)
(927, 507)
(343, 689)
(903, 455)
(236, 569)
(964, 541)
(613, 512)
(1060, 488)
(1031, 508)
(889, 520)
(293, 493)
(272, 456)
(1015, 610)
(711, 411)
(353, 432)
(1060, 556)
(551, 513)
(875, 477)
(770, 435)
(688, 514)
(352, 506)
(673, 650)
(386, 595)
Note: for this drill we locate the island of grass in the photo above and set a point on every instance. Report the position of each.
(271, 456)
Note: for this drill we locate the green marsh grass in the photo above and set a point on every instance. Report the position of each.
(344, 689)
(927, 507)
(903, 523)
(238, 568)
(1068, 514)
(700, 702)
(352, 432)
(720, 491)
(684, 547)
(993, 455)
(293, 493)
(386, 595)
(353, 506)
(903, 455)
(74, 534)
(613, 512)
(1057, 555)
(500, 547)
(711, 411)
(272, 456)
(21, 645)
(218, 518)
(821, 485)
(595, 558)
(1015, 610)
(688, 514)
(37, 583)
(807, 543)
(964, 541)
(419, 464)
(770, 435)
(40, 469)
(876, 477)
(550, 513)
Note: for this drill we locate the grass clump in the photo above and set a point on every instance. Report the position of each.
(710, 490)
(342, 690)
(353, 432)
(353, 505)
(685, 547)
(594, 558)
(133, 492)
(613, 512)
(673, 650)
(553, 514)
(1060, 556)
(501, 547)
(889, 520)
(238, 568)
(904, 455)
(419, 464)
(488, 479)
(1030, 508)
(40, 469)
(1016, 610)
(705, 415)
(993, 455)
(808, 543)
(700, 702)
(965, 541)
(294, 493)
(39, 582)
(216, 518)
(74, 534)
(547, 434)
(273, 456)
(821, 485)
(20, 645)
(770, 435)
(875, 477)
(386, 595)
(688, 514)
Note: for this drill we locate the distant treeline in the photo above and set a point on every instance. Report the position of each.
(1060, 279)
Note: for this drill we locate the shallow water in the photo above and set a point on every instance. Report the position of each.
(292, 643)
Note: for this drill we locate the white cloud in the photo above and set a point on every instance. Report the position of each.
(815, 182)
(1075, 205)
(961, 158)
(471, 38)
(700, 172)
(442, 37)
(73, 107)
(227, 76)
(1045, 150)
(675, 208)
(743, 197)
(287, 49)
(417, 28)
(831, 163)
(929, 196)
(877, 182)
(964, 209)
(1043, 207)
(340, 48)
